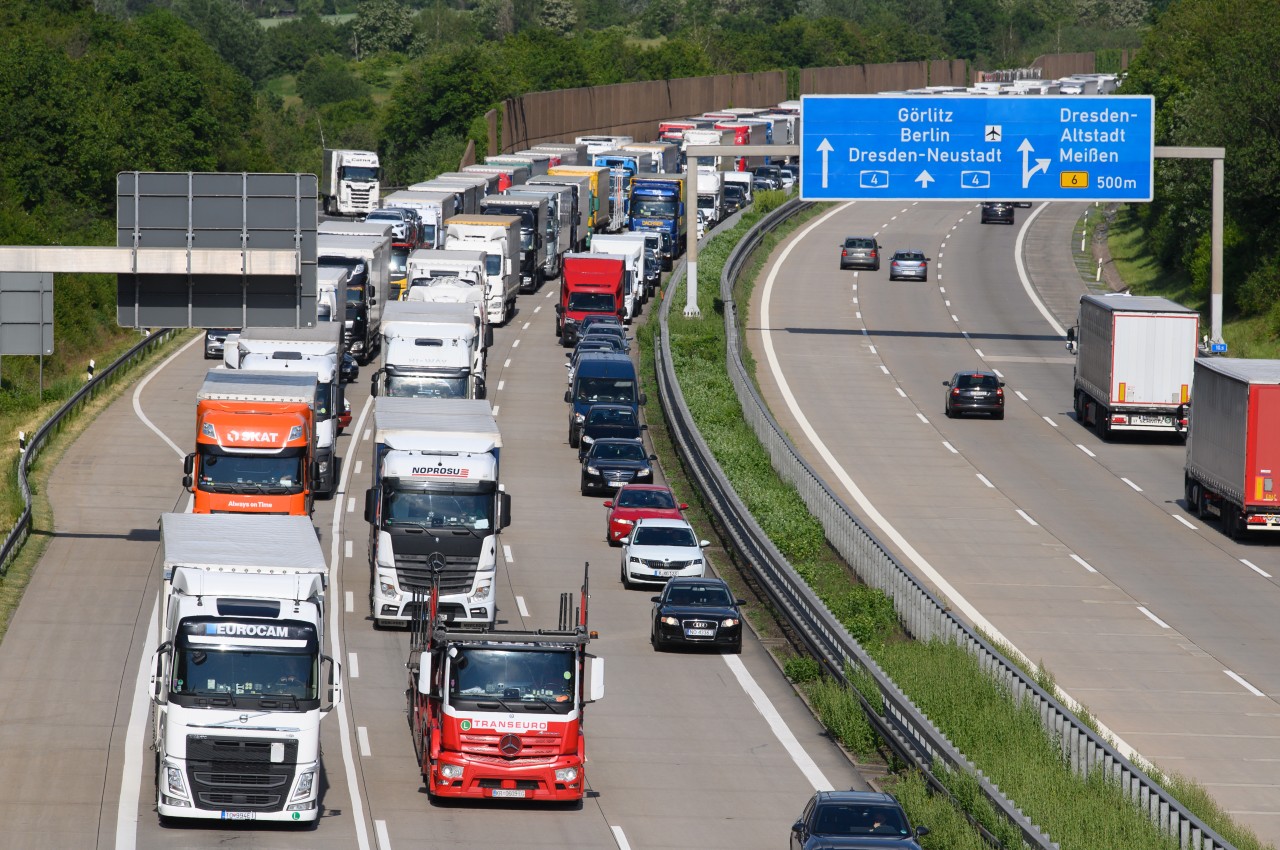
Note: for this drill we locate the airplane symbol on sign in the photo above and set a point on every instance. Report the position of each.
(993, 133)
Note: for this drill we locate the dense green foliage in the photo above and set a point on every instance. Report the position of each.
(1213, 88)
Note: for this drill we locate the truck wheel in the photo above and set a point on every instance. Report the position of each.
(1104, 421)
(1079, 406)
(1232, 521)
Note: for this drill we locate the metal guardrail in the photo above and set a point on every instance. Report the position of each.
(922, 614)
(22, 528)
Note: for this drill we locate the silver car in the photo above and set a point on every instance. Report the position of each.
(909, 264)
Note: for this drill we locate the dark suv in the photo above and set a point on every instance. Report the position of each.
(860, 252)
(857, 820)
(980, 392)
(997, 211)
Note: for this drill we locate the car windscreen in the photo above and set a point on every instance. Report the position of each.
(700, 594)
(617, 451)
(664, 535)
(645, 499)
(606, 389)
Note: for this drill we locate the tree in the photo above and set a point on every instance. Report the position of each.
(328, 79)
(383, 26)
(558, 16)
(230, 30)
(291, 43)
(441, 95)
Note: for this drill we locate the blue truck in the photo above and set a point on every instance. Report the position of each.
(657, 205)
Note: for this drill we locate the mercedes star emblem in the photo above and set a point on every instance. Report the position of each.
(510, 745)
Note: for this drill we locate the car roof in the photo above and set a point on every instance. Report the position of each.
(849, 239)
(856, 797)
(607, 441)
(982, 372)
(908, 251)
(611, 406)
(676, 580)
(646, 487)
(665, 522)
(604, 363)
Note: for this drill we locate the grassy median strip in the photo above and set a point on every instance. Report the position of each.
(1004, 739)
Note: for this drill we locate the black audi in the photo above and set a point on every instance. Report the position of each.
(609, 420)
(612, 462)
(696, 612)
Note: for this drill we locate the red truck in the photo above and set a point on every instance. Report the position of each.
(498, 713)
(1233, 444)
(590, 283)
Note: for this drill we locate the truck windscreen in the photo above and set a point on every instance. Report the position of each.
(493, 264)
(426, 386)
(360, 173)
(642, 207)
(275, 474)
(212, 670)
(443, 504)
(591, 302)
(513, 680)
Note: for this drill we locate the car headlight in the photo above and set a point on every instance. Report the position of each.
(624, 521)
(567, 774)
(591, 470)
(644, 473)
(696, 562)
(670, 621)
(305, 783)
(633, 559)
(588, 440)
(451, 771)
(729, 621)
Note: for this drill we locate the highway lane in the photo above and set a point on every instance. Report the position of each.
(1076, 551)
(679, 752)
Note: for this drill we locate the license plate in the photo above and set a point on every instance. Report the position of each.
(509, 792)
(979, 395)
(239, 815)
(699, 632)
(666, 572)
(616, 483)
(1152, 420)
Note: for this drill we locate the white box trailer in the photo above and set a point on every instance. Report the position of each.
(369, 260)
(1134, 364)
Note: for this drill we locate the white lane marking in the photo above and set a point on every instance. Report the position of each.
(947, 303)
(1000, 375)
(550, 292)
(1184, 521)
(986, 481)
(1242, 683)
(515, 344)
(1256, 568)
(1153, 618)
(384, 837)
(335, 650)
(1019, 394)
(351, 504)
(871, 348)
(525, 327)
(942, 289)
(1022, 272)
(347, 549)
(536, 309)
(779, 726)
(857, 314)
(524, 611)
(950, 447)
(1082, 448)
(954, 317)
(900, 392)
(855, 300)
(855, 287)
(353, 666)
(506, 550)
(1027, 517)
(506, 363)
(1131, 484)
(620, 838)
(362, 735)
(978, 351)
(501, 384)
(348, 602)
(1082, 562)
(359, 466)
(137, 402)
(884, 368)
(1050, 421)
(920, 416)
(368, 432)
(495, 410)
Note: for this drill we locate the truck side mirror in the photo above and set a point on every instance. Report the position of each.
(504, 509)
(158, 676)
(370, 506)
(334, 683)
(595, 679)
(373, 383)
(560, 309)
(488, 336)
(481, 389)
(189, 464)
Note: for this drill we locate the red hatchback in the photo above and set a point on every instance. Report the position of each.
(639, 501)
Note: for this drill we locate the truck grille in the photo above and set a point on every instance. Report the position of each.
(360, 200)
(415, 571)
(238, 775)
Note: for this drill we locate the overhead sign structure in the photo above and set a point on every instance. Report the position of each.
(26, 313)
(977, 148)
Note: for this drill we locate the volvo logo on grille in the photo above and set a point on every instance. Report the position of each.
(510, 745)
(436, 561)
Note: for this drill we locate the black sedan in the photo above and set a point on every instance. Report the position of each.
(854, 820)
(977, 392)
(609, 421)
(696, 612)
(612, 462)
(349, 370)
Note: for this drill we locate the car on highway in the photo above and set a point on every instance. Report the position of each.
(403, 226)
(344, 418)
(603, 344)
(611, 462)
(860, 252)
(658, 550)
(702, 223)
(735, 198)
(603, 318)
(610, 420)
(214, 341)
(908, 264)
(635, 502)
(771, 173)
(794, 170)
(349, 369)
(604, 329)
(600, 378)
(696, 612)
(974, 392)
(788, 178)
(998, 212)
(855, 820)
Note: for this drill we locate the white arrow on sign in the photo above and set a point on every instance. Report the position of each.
(824, 147)
(924, 180)
(1041, 164)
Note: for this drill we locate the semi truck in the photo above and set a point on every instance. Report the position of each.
(349, 182)
(630, 247)
(315, 351)
(1134, 363)
(369, 260)
(255, 443)
(240, 680)
(602, 202)
(435, 509)
(560, 221)
(664, 157)
(570, 153)
(711, 196)
(1233, 444)
(532, 213)
(431, 350)
(498, 713)
(498, 236)
(536, 163)
(591, 283)
(600, 144)
(488, 182)
(579, 187)
(508, 175)
(466, 196)
(657, 205)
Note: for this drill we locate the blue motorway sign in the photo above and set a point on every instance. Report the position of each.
(977, 148)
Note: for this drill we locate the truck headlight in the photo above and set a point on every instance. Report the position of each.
(482, 592)
(175, 785)
(295, 433)
(388, 588)
(324, 467)
(208, 431)
(451, 771)
(305, 783)
(567, 774)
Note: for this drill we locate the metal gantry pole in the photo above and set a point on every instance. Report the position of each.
(1218, 155)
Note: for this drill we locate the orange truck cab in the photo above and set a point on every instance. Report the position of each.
(255, 443)
(590, 283)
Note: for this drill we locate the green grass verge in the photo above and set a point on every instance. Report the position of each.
(1005, 740)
